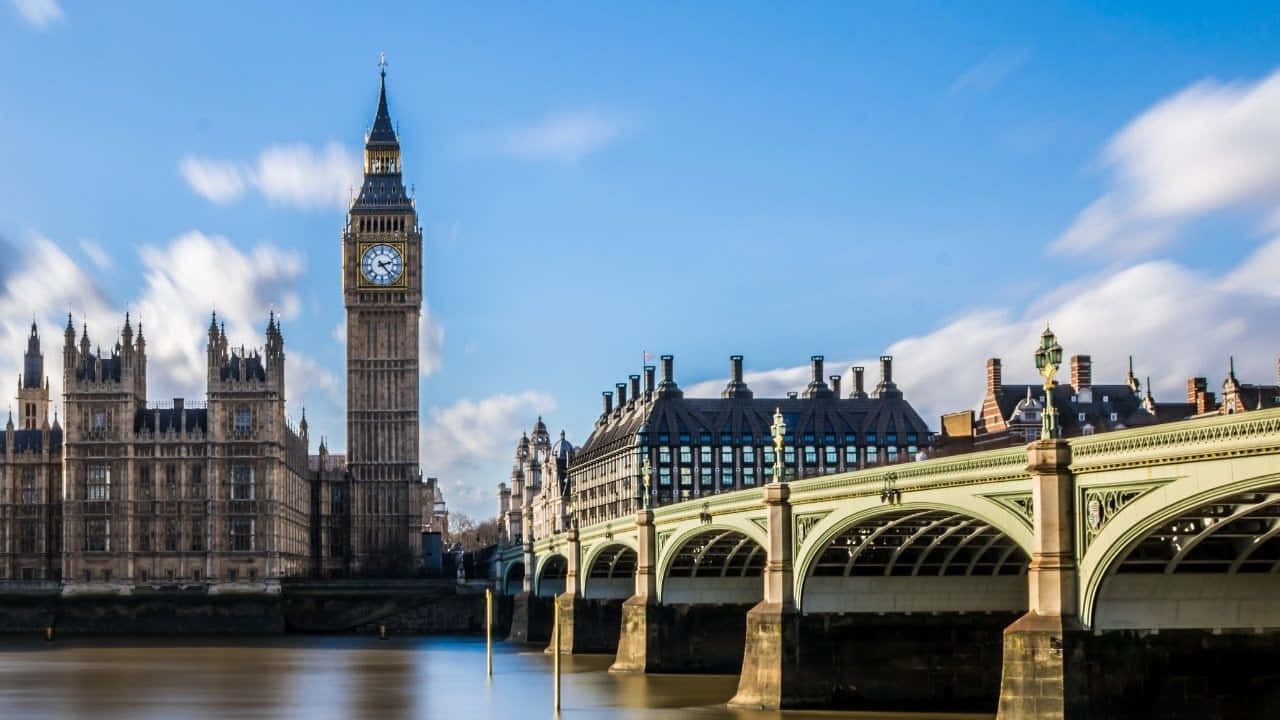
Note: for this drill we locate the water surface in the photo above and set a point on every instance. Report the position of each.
(340, 677)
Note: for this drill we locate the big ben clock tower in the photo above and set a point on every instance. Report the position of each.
(382, 290)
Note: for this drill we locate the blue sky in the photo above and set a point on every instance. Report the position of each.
(700, 179)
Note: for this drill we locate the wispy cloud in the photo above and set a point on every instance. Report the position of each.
(96, 254)
(296, 175)
(565, 136)
(39, 14)
(1210, 147)
(217, 181)
(1178, 322)
(984, 75)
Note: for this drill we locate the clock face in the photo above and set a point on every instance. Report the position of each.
(381, 264)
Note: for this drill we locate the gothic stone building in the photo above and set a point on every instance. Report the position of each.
(175, 493)
(703, 446)
(31, 479)
(382, 290)
(539, 498)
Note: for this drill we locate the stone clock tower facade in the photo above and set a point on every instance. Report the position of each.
(382, 290)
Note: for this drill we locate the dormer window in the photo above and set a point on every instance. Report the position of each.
(1113, 417)
(1080, 417)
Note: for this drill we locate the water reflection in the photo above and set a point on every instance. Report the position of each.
(337, 677)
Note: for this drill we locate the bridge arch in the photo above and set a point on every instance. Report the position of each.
(513, 578)
(712, 564)
(609, 571)
(915, 557)
(553, 571)
(1183, 556)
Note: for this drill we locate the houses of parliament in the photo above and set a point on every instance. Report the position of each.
(225, 495)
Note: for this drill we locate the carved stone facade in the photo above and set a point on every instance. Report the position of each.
(208, 495)
(31, 480)
(382, 290)
(539, 501)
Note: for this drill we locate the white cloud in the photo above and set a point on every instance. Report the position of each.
(216, 181)
(470, 443)
(340, 332)
(296, 175)
(991, 70)
(1177, 323)
(1208, 148)
(565, 136)
(96, 254)
(39, 14)
(196, 274)
(299, 176)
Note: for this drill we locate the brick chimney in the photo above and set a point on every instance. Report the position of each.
(635, 387)
(622, 394)
(648, 379)
(608, 401)
(994, 379)
(1198, 394)
(1081, 372)
(835, 385)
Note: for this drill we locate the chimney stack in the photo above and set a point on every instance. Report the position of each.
(886, 388)
(635, 387)
(668, 387)
(1081, 372)
(1198, 394)
(835, 385)
(736, 387)
(817, 386)
(648, 379)
(994, 379)
(859, 379)
(622, 394)
(608, 401)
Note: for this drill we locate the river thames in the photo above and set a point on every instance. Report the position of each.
(340, 677)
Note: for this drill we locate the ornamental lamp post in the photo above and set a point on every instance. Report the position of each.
(779, 431)
(645, 471)
(1048, 359)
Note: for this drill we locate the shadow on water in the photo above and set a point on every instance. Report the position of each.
(342, 677)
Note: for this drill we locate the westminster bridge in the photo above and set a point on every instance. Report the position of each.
(1132, 573)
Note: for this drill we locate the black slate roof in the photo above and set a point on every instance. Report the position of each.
(110, 369)
(32, 441)
(253, 368)
(382, 134)
(709, 420)
(166, 419)
(1122, 400)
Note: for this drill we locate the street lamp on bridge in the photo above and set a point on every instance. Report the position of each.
(1048, 358)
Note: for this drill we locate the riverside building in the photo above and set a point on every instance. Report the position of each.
(702, 446)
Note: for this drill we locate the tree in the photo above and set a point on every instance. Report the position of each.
(472, 535)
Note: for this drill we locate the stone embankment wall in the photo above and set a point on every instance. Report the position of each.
(426, 607)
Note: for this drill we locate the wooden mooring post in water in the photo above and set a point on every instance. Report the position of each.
(555, 655)
(488, 631)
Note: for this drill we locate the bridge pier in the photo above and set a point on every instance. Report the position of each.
(771, 675)
(638, 636)
(1043, 673)
(529, 622)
